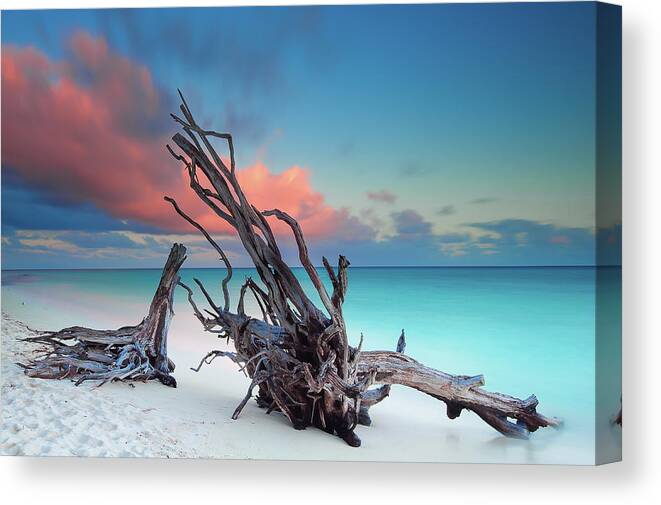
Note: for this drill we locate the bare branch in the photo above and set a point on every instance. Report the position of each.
(304, 257)
(217, 354)
(223, 256)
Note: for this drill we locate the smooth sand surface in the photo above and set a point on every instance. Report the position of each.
(56, 418)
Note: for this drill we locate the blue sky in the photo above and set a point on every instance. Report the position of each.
(434, 134)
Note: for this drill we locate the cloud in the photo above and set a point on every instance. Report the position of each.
(509, 228)
(413, 168)
(76, 239)
(76, 249)
(560, 239)
(532, 242)
(483, 200)
(77, 244)
(383, 196)
(453, 238)
(453, 244)
(248, 69)
(137, 105)
(515, 242)
(80, 141)
(292, 192)
(446, 210)
(91, 130)
(370, 215)
(409, 224)
(26, 208)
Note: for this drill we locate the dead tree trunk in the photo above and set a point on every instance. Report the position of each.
(129, 353)
(298, 355)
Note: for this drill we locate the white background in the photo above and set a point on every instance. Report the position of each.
(636, 480)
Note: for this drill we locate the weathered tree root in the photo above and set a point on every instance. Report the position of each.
(129, 353)
(458, 392)
(298, 355)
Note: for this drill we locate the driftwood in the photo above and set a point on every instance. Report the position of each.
(297, 355)
(129, 353)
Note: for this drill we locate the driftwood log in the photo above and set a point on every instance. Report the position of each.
(129, 353)
(298, 355)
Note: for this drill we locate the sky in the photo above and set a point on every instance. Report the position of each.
(449, 135)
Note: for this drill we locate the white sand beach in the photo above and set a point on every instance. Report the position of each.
(57, 418)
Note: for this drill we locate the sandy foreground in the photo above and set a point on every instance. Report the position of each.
(56, 418)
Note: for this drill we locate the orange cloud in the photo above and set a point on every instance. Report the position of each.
(94, 128)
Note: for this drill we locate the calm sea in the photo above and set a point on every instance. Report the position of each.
(528, 330)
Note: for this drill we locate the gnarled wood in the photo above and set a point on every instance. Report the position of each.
(129, 353)
(298, 355)
(457, 391)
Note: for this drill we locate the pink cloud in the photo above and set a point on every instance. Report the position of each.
(560, 239)
(104, 142)
(383, 196)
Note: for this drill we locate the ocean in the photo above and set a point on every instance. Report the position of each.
(528, 330)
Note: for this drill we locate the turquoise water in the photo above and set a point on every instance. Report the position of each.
(528, 330)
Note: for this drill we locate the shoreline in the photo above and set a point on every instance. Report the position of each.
(56, 418)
